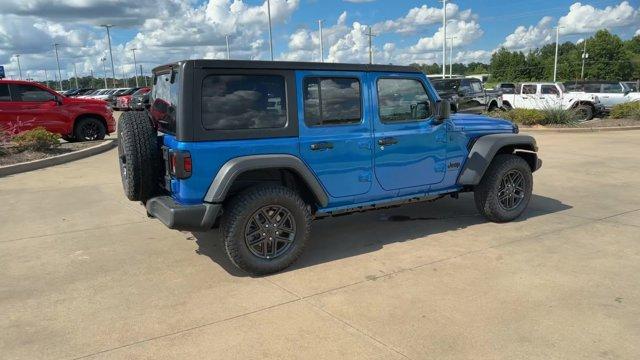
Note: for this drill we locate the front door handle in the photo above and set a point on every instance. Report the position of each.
(323, 145)
(387, 141)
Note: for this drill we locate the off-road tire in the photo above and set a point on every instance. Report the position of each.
(89, 129)
(239, 211)
(486, 193)
(583, 112)
(138, 156)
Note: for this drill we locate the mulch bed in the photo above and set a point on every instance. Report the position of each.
(593, 123)
(12, 156)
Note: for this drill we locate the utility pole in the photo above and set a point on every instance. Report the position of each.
(75, 72)
(226, 39)
(555, 60)
(55, 46)
(113, 69)
(19, 68)
(135, 65)
(370, 35)
(585, 56)
(104, 67)
(270, 35)
(321, 44)
(444, 37)
(145, 78)
(450, 56)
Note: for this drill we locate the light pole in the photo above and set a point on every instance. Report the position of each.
(370, 35)
(46, 78)
(555, 60)
(451, 56)
(444, 37)
(75, 72)
(135, 65)
(226, 39)
(585, 56)
(55, 47)
(104, 68)
(19, 68)
(270, 35)
(113, 69)
(321, 44)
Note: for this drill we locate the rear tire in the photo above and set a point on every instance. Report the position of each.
(138, 156)
(89, 129)
(505, 189)
(252, 242)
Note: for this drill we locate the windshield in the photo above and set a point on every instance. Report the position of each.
(141, 91)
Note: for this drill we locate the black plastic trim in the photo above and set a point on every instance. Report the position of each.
(199, 217)
(486, 147)
(233, 168)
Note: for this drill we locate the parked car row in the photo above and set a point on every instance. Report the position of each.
(587, 98)
(25, 105)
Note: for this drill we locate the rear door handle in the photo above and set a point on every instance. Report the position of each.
(387, 141)
(323, 145)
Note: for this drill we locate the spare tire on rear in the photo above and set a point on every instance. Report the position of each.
(138, 156)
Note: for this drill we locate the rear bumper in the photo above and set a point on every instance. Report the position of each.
(198, 217)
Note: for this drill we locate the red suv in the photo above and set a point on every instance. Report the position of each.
(25, 105)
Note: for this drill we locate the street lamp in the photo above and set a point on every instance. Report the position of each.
(113, 69)
(55, 47)
(104, 68)
(270, 35)
(444, 37)
(75, 72)
(555, 60)
(321, 44)
(585, 56)
(226, 38)
(451, 55)
(135, 65)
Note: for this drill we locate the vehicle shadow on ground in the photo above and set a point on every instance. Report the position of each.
(356, 234)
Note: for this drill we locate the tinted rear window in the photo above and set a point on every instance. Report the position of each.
(331, 101)
(444, 85)
(164, 101)
(4, 93)
(236, 102)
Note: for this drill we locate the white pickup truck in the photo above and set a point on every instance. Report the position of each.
(552, 96)
(610, 93)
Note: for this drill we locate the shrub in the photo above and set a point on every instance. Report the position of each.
(520, 116)
(38, 139)
(559, 116)
(629, 110)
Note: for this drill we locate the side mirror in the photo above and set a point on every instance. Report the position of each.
(441, 110)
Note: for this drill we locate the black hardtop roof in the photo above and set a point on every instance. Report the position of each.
(288, 65)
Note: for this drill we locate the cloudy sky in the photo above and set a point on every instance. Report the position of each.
(407, 30)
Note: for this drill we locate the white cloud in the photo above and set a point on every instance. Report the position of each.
(581, 19)
(524, 38)
(637, 32)
(463, 32)
(421, 17)
(585, 18)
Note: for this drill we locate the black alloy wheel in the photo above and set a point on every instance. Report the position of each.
(270, 232)
(512, 190)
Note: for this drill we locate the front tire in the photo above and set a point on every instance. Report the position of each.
(265, 228)
(89, 129)
(584, 112)
(505, 189)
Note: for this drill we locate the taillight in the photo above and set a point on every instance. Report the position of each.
(180, 165)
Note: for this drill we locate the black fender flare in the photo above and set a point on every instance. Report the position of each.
(221, 184)
(486, 147)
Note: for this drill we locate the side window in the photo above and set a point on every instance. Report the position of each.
(30, 93)
(331, 101)
(465, 86)
(4, 93)
(549, 90)
(612, 88)
(402, 100)
(476, 86)
(528, 89)
(237, 102)
(592, 88)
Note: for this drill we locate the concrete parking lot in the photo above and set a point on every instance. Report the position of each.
(85, 274)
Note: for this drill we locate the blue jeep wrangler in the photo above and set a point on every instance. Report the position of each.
(260, 149)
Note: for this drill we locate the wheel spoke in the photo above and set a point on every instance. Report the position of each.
(270, 231)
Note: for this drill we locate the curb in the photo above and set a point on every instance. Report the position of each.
(57, 160)
(579, 130)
